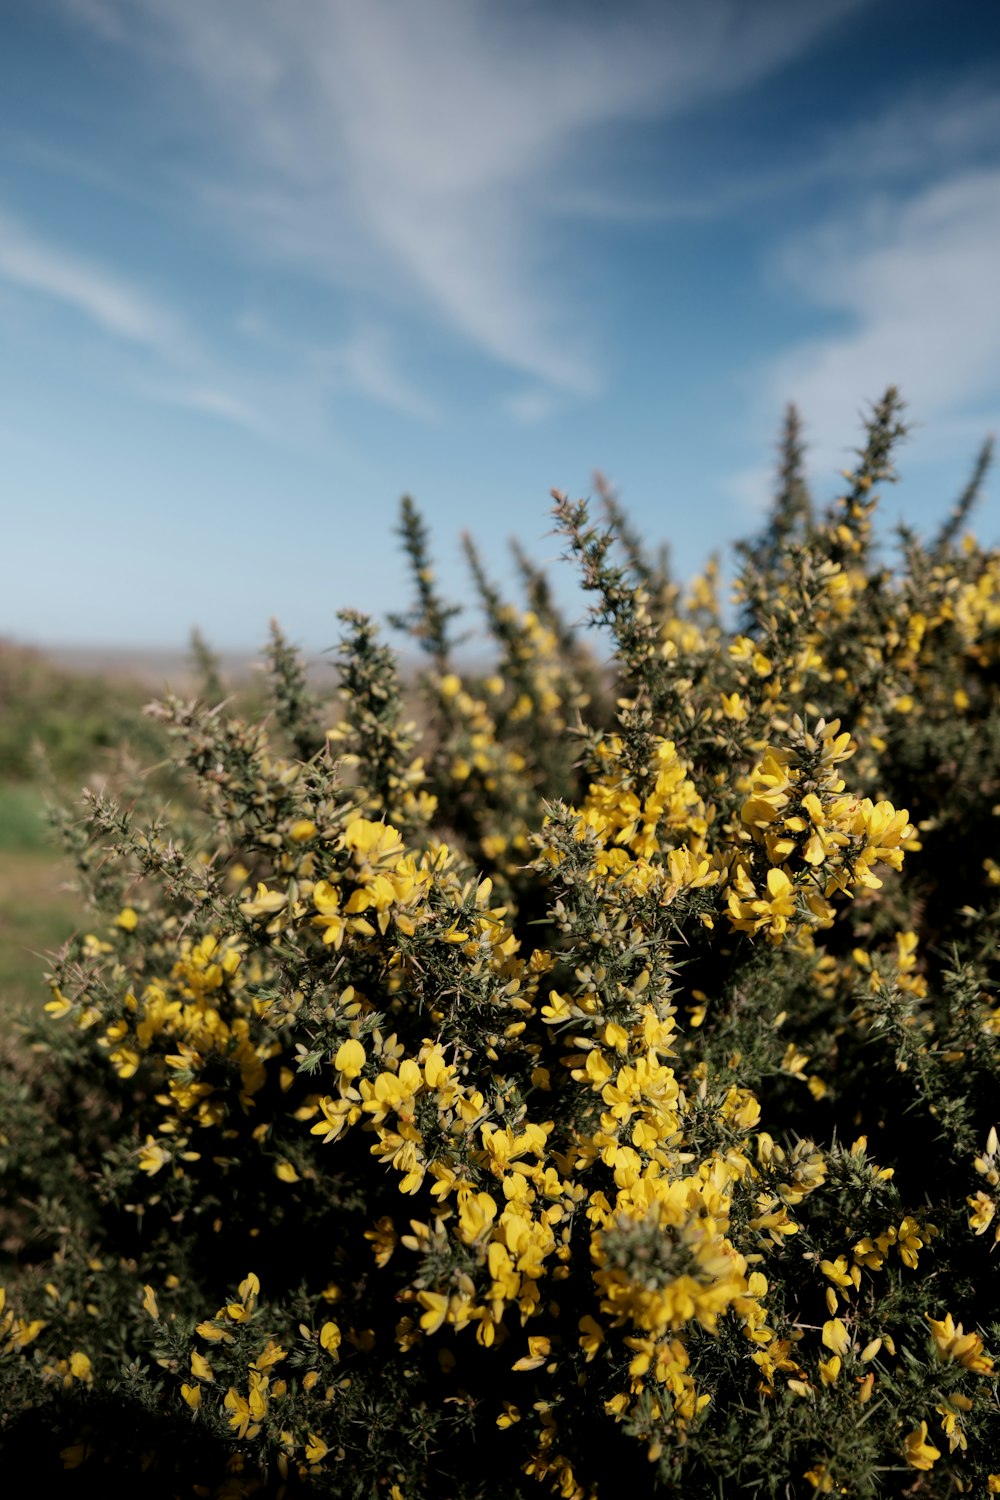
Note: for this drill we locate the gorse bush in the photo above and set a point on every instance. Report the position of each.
(591, 1091)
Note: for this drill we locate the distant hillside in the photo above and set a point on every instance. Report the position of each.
(147, 667)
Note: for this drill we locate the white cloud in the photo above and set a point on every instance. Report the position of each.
(181, 371)
(414, 150)
(209, 400)
(532, 405)
(913, 287)
(98, 15)
(127, 315)
(752, 490)
(923, 134)
(366, 363)
(120, 309)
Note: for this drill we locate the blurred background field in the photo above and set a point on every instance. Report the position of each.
(38, 909)
(67, 719)
(59, 727)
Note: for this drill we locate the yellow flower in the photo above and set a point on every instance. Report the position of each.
(152, 1157)
(265, 903)
(920, 1454)
(835, 1336)
(21, 1331)
(316, 1449)
(330, 1338)
(952, 1343)
(983, 1209)
(248, 1289)
(476, 1212)
(775, 909)
(837, 1272)
(820, 1478)
(539, 1349)
(257, 1393)
(436, 1310)
(58, 1005)
(272, 1354)
(909, 1241)
(240, 1418)
(350, 1059)
(372, 842)
(592, 1336)
(794, 1061)
(213, 1334)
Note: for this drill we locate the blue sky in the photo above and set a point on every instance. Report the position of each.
(266, 266)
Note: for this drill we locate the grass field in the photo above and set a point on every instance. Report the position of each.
(38, 909)
(79, 714)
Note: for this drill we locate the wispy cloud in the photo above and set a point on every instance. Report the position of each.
(98, 15)
(367, 363)
(913, 284)
(751, 490)
(532, 405)
(29, 261)
(929, 130)
(925, 133)
(413, 151)
(182, 370)
(209, 400)
(178, 369)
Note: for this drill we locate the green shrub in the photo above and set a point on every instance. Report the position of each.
(576, 1095)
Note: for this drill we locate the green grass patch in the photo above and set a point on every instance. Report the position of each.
(38, 912)
(23, 824)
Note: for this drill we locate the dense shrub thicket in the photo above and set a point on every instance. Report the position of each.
(591, 1091)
